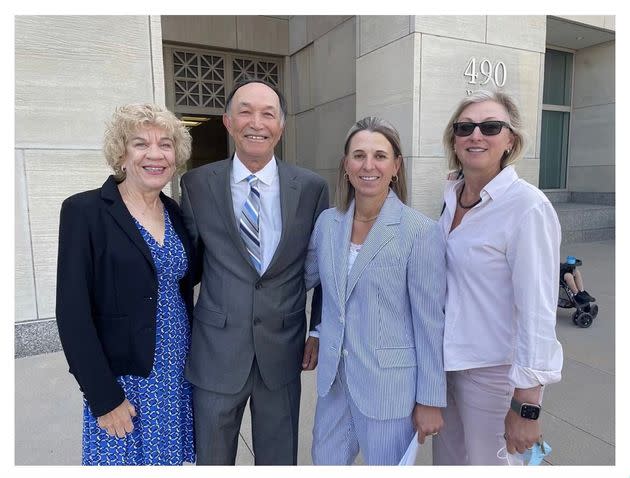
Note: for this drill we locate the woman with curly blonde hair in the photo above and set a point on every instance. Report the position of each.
(124, 296)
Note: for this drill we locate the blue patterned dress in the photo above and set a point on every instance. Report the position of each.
(163, 427)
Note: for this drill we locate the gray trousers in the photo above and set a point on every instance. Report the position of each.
(274, 414)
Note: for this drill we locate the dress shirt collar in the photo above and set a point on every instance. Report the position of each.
(496, 187)
(267, 174)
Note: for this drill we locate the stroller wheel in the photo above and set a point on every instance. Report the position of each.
(575, 317)
(584, 320)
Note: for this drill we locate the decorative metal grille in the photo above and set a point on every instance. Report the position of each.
(199, 79)
(263, 70)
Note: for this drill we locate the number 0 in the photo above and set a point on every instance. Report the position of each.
(500, 66)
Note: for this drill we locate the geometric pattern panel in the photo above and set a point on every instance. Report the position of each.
(259, 69)
(199, 79)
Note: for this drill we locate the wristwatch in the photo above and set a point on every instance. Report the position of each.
(530, 411)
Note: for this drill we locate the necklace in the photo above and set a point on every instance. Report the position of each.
(365, 220)
(459, 199)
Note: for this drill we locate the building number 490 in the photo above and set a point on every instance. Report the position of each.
(496, 74)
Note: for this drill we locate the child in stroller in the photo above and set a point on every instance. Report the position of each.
(573, 295)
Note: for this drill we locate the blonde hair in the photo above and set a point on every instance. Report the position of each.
(345, 190)
(128, 119)
(518, 148)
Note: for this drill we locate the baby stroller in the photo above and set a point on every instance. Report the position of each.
(585, 308)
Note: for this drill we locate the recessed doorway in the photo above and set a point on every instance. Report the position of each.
(209, 139)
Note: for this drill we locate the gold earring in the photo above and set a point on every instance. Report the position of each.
(394, 178)
(345, 175)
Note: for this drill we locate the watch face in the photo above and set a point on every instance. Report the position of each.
(529, 411)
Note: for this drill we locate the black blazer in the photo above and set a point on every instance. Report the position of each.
(107, 292)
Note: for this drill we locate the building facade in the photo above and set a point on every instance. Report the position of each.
(72, 71)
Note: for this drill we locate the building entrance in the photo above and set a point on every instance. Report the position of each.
(210, 139)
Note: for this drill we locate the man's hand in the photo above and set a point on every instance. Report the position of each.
(427, 421)
(118, 421)
(311, 351)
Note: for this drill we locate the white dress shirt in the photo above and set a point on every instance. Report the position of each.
(503, 265)
(270, 217)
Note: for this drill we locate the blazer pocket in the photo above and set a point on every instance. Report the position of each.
(396, 357)
(294, 318)
(209, 316)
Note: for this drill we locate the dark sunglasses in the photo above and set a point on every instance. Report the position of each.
(487, 128)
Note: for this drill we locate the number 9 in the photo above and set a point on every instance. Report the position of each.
(486, 70)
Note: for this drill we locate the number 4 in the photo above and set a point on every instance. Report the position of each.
(471, 71)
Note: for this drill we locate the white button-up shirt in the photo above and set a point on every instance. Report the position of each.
(503, 266)
(270, 217)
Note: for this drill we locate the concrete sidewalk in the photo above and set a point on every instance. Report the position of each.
(578, 416)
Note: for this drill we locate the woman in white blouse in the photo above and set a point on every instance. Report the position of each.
(502, 249)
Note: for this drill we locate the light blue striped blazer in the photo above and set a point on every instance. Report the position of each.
(387, 315)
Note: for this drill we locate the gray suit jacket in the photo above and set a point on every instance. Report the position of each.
(240, 315)
(387, 316)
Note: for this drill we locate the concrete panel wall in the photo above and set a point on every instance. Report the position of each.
(333, 72)
(322, 84)
(526, 32)
(25, 304)
(216, 30)
(600, 21)
(70, 74)
(463, 27)
(301, 86)
(377, 31)
(594, 82)
(262, 34)
(391, 94)
(592, 135)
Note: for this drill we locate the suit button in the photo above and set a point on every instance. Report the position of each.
(257, 320)
(345, 353)
(258, 285)
(149, 298)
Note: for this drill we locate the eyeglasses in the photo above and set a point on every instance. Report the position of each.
(487, 128)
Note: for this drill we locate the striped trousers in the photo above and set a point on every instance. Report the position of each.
(341, 430)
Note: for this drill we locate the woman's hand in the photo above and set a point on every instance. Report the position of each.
(521, 433)
(118, 421)
(427, 421)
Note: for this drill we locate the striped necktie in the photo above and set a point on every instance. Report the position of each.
(249, 223)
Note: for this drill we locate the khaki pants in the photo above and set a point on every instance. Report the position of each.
(478, 400)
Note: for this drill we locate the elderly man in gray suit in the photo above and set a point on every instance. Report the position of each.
(251, 218)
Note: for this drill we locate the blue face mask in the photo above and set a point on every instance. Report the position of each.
(533, 456)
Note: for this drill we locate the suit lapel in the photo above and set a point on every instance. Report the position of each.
(123, 218)
(382, 232)
(290, 189)
(341, 228)
(219, 181)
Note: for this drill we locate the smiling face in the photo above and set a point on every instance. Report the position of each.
(370, 164)
(255, 124)
(149, 159)
(481, 153)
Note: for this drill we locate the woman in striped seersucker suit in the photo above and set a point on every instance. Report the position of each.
(382, 270)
